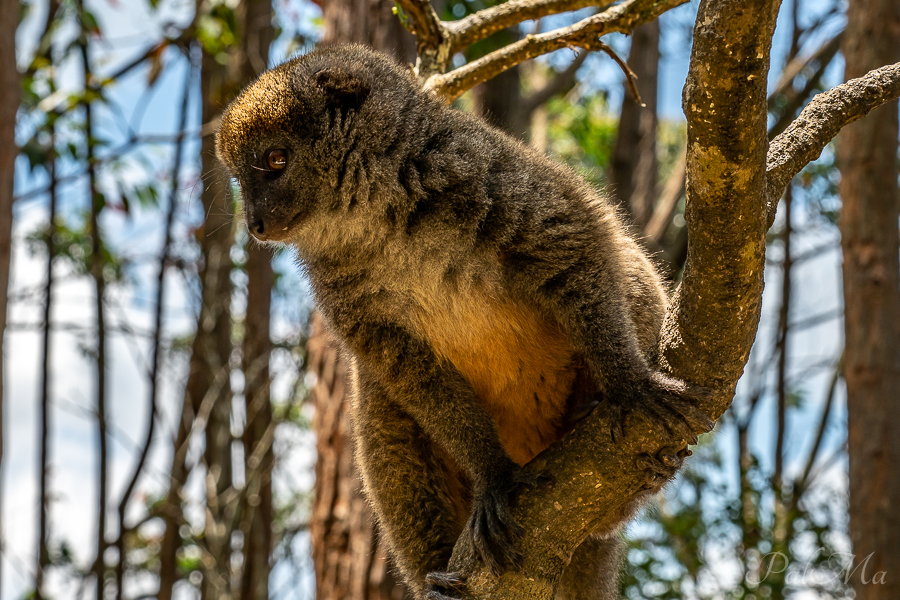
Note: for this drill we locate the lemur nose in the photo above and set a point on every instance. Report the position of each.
(258, 230)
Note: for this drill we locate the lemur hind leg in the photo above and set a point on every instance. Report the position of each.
(421, 499)
(593, 573)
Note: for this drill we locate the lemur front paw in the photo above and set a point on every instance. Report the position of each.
(661, 468)
(666, 400)
(442, 584)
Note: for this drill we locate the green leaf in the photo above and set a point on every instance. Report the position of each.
(89, 23)
(146, 195)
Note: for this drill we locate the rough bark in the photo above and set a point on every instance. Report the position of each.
(634, 167)
(369, 22)
(803, 140)
(348, 560)
(783, 103)
(867, 157)
(712, 321)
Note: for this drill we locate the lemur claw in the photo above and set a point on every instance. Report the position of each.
(440, 583)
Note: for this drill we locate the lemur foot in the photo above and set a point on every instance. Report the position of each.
(492, 529)
(661, 468)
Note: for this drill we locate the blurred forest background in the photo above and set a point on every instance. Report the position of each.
(172, 418)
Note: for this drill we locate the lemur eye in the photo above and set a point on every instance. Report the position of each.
(276, 159)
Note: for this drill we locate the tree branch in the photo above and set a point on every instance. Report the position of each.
(630, 77)
(425, 24)
(621, 18)
(712, 320)
(483, 23)
(432, 41)
(791, 100)
(710, 325)
(802, 142)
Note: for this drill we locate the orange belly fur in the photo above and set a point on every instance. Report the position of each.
(517, 361)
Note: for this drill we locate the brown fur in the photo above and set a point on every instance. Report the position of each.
(482, 293)
(518, 362)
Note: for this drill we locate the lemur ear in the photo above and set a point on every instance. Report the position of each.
(342, 90)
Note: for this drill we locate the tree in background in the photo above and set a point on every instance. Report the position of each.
(226, 65)
(867, 157)
(9, 105)
(634, 169)
(349, 561)
(225, 431)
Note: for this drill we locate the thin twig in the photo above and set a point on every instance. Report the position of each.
(96, 269)
(630, 77)
(43, 556)
(561, 82)
(478, 26)
(803, 140)
(803, 481)
(781, 344)
(621, 18)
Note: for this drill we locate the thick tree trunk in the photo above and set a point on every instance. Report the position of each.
(348, 560)
(369, 22)
(633, 171)
(867, 156)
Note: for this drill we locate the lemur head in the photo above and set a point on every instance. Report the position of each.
(294, 136)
